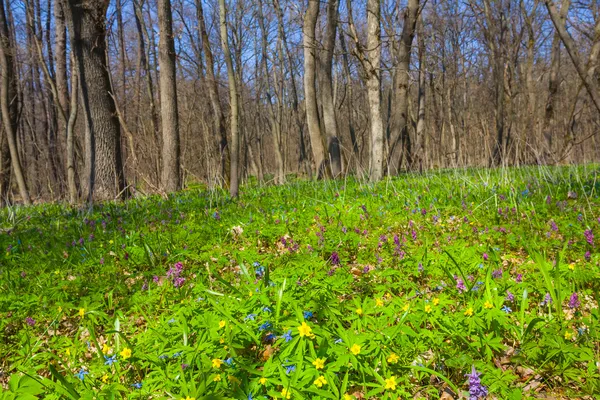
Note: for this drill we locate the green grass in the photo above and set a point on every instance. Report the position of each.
(437, 273)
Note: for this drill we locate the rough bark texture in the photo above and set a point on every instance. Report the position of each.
(400, 145)
(213, 93)
(171, 176)
(589, 82)
(373, 73)
(8, 103)
(104, 179)
(233, 99)
(554, 84)
(310, 88)
(329, 117)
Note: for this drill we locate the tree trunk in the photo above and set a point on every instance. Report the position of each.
(553, 85)
(171, 176)
(373, 76)
(8, 102)
(400, 145)
(233, 99)
(310, 89)
(329, 118)
(104, 177)
(588, 81)
(213, 93)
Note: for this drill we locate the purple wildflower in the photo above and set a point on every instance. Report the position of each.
(553, 226)
(460, 285)
(476, 389)
(547, 300)
(485, 256)
(587, 255)
(509, 296)
(23, 274)
(30, 321)
(589, 236)
(497, 274)
(574, 300)
(519, 278)
(335, 258)
(178, 282)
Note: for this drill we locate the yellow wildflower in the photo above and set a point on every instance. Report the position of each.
(106, 349)
(378, 302)
(393, 358)
(68, 352)
(105, 378)
(286, 393)
(222, 340)
(469, 311)
(348, 397)
(250, 294)
(390, 383)
(222, 324)
(304, 330)
(217, 378)
(488, 305)
(263, 381)
(359, 311)
(427, 308)
(406, 307)
(216, 363)
(436, 301)
(319, 363)
(572, 267)
(320, 381)
(81, 312)
(126, 353)
(568, 335)
(355, 349)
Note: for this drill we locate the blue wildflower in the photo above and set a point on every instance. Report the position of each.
(172, 321)
(307, 314)
(164, 357)
(287, 336)
(137, 385)
(229, 361)
(81, 374)
(250, 317)
(110, 360)
(506, 309)
(175, 355)
(265, 326)
(289, 369)
(266, 309)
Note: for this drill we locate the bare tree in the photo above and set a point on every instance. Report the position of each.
(171, 175)
(310, 89)
(400, 144)
(8, 102)
(233, 100)
(104, 177)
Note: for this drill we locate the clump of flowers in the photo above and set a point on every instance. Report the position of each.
(174, 273)
(589, 236)
(476, 389)
(574, 301)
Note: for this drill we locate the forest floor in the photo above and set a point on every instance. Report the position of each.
(454, 284)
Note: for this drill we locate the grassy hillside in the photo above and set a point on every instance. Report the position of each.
(327, 290)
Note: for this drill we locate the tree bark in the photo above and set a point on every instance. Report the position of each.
(213, 93)
(104, 177)
(310, 89)
(373, 76)
(400, 145)
(8, 102)
(329, 117)
(233, 99)
(588, 81)
(171, 150)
